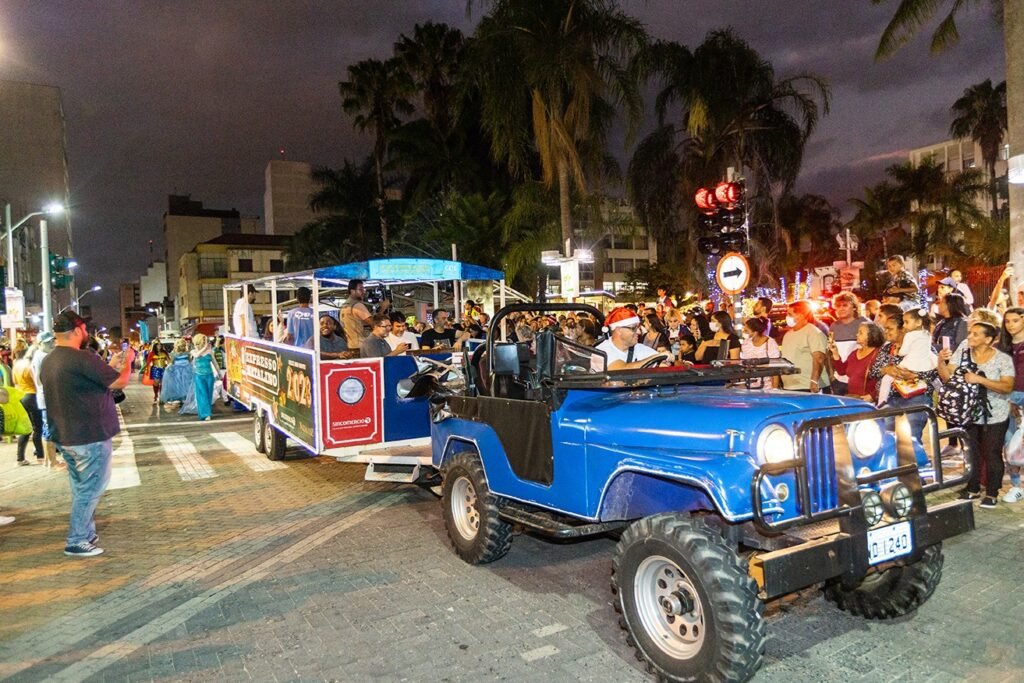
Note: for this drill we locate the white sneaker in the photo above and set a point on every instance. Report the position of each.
(1014, 495)
(5, 520)
(950, 451)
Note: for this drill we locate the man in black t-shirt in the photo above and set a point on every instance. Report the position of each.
(83, 421)
(441, 336)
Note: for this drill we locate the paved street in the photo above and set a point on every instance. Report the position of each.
(221, 565)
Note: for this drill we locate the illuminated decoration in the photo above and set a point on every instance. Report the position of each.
(408, 270)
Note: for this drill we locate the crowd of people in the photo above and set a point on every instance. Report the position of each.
(58, 393)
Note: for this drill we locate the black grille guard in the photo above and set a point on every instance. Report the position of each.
(847, 480)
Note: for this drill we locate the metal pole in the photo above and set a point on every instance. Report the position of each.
(44, 249)
(10, 263)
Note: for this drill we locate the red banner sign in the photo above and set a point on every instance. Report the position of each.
(353, 395)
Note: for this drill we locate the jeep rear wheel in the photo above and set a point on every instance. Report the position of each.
(892, 593)
(471, 518)
(687, 602)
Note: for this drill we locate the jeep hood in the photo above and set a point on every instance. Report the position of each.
(692, 418)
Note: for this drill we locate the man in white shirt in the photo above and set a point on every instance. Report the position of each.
(243, 320)
(622, 346)
(400, 333)
(958, 278)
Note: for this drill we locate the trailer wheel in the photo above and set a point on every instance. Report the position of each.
(691, 610)
(895, 592)
(471, 518)
(257, 432)
(274, 441)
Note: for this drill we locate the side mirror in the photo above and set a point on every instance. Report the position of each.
(506, 359)
(404, 387)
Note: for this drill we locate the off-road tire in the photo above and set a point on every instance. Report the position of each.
(895, 592)
(275, 441)
(258, 437)
(733, 641)
(476, 532)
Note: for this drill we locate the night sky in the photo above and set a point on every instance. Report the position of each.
(195, 97)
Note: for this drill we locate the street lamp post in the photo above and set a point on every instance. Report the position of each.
(52, 209)
(74, 304)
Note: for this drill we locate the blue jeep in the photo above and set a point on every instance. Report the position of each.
(724, 496)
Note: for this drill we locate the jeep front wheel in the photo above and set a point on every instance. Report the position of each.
(471, 518)
(689, 606)
(892, 593)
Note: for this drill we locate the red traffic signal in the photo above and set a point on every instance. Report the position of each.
(705, 199)
(727, 194)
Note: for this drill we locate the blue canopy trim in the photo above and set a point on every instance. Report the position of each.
(408, 270)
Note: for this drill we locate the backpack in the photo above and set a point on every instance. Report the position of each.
(961, 403)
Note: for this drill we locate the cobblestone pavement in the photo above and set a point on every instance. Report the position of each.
(223, 566)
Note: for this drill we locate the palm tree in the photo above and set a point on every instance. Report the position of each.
(375, 95)
(911, 15)
(981, 116)
(721, 107)
(432, 56)
(880, 212)
(549, 73)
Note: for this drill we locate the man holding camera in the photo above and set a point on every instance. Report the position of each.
(83, 421)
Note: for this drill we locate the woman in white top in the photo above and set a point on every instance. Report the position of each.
(757, 344)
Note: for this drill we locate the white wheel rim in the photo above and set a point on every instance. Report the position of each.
(268, 434)
(464, 509)
(669, 607)
(257, 430)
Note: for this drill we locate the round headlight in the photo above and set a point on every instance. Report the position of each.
(865, 437)
(872, 504)
(899, 500)
(775, 444)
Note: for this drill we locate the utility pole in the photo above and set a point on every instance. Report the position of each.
(44, 249)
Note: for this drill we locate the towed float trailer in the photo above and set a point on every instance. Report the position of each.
(348, 409)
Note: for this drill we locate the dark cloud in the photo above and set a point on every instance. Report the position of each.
(195, 96)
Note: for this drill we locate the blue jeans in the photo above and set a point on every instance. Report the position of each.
(89, 467)
(917, 420)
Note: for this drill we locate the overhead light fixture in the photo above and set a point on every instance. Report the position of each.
(584, 255)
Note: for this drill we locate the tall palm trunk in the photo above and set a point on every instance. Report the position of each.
(993, 188)
(378, 161)
(564, 206)
(1013, 25)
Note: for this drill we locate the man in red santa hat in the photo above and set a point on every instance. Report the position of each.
(622, 345)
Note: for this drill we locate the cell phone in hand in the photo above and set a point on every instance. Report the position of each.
(945, 343)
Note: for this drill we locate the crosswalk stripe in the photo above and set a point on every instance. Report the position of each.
(244, 449)
(124, 471)
(186, 458)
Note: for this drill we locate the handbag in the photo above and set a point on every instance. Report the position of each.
(910, 388)
(961, 403)
(1015, 449)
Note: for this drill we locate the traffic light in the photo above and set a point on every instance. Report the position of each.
(723, 218)
(60, 271)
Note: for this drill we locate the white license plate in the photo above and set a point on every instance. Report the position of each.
(889, 542)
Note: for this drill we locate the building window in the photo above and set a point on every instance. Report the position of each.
(640, 242)
(622, 242)
(211, 297)
(276, 265)
(213, 267)
(623, 265)
(245, 265)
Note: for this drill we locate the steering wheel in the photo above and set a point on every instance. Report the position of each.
(653, 360)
